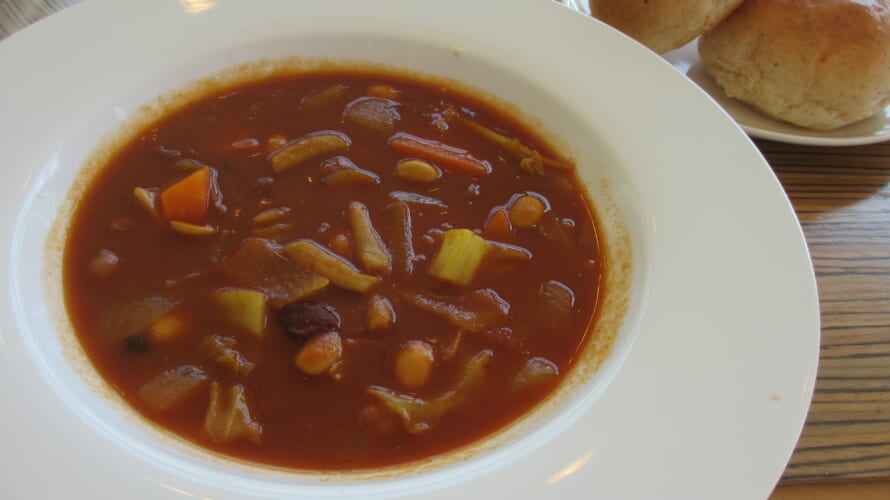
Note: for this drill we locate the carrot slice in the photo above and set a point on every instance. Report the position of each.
(443, 154)
(188, 199)
(498, 224)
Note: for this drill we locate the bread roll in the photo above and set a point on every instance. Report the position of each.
(662, 25)
(819, 64)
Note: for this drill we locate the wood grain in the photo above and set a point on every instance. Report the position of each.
(842, 198)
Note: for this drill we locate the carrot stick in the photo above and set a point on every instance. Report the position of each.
(188, 199)
(443, 154)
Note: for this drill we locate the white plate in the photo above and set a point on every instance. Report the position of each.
(711, 378)
(869, 131)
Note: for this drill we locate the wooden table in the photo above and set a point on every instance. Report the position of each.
(842, 198)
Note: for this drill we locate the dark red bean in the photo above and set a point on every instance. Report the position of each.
(304, 318)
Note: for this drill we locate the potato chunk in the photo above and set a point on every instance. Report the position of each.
(460, 257)
(245, 308)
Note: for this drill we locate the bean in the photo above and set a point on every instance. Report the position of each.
(414, 364)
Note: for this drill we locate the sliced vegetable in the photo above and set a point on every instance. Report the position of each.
(398, 217)
(418, 171)
(475, 312)
(380, 313)
(228, 416)
(189, 229)
(189, 199)
(333, 267)
(323, 97)
(276, 232)
(416, 199)
(498, 224)
(171, 387)
(444, 155)
(414, 364)
(351, 177)
(460, 257)
(244, 308)
(372, 255)
(320, 353)
(257, 264)
(308, 147)
(450, 349)
(148, 199)
(133, 314)
(374, 114)
(418, 415)
(507, 253)
(536, 373)
(556, 301)
(384, 91)
(222, 350)
(514, 147)
(526, 211)
(271, 215)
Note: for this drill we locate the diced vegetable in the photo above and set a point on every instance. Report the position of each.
(270, 215)
(371, 253)
(416, 199)
(444, 155)
(188, 229)
(418, 415)
(475, 312)
(418, 171)
(258, 265)
(245, 308)
(383, 91)
(556, 301)
(171, 387)
(460, 257)
(398, 216)
(167, 328)
(498, 224)
(537, 373)
(356, 177)
(380, 313)
(323, 97)
(308, 147)
(526, 211)
(104, 264)
(189, 199)
(148, 199)
(333, 267)
(228, 416)
(222, 350)
(374, 114)
(320, 353)
(414, 364)
(304, 319)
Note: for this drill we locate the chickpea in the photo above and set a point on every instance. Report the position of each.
(414, 364)
(417, 171)
(320, 353)
(341, 244)
(526, 211)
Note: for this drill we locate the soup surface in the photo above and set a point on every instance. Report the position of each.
(333, 271)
